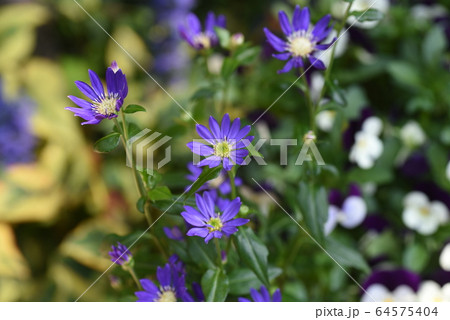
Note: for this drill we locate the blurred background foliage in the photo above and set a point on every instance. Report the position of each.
(60, 212)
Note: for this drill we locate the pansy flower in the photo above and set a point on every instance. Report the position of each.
(102, 105)
(263, 295)
(171, 287)
(192, 32)
(227, 143)
(302, 42)
(210, 222)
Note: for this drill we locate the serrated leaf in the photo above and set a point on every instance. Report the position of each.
(206, 175)
(314, 207)
(107, 143)
(160, 193)
(253, 253)
(215, 285)
(369, 15)
(346, 256)
(132, 108)
(202, 254)
(242, 280)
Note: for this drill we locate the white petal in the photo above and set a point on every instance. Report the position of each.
(404, 293)
(439, 211)
(428, 226)
(372, 125)
(375, 146)
(412, 134)
(355, 210)
(412, 218)
(444, 258)
(429, 291)
(376, 292)
(416, 199)
(447, 171)
(325, 120)
(332, 219)
(446, 292)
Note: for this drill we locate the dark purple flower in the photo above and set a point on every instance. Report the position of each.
(173, 233)
(102, 105)
(120, 254)
(391, 279)
(17, 141)
(192, 32)
(171, 287)
(222, 182)
(228, 146)
(263, 295)
(302, 42)
(198, 292)
(207, 222)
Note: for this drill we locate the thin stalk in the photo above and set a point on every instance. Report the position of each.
(311, 108)
(233, 185)
(134, 276)
(219, 253)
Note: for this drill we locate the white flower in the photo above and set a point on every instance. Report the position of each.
(412, 134)
(444, 258)
(422, 215)
(325, 120)
(430, 291)
(339, 7)
(368, 147)
(379, 293)
(215, 62)
(340, 46)
(351, 215)
(447, 171)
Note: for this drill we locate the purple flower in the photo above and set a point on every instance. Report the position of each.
(171, 287)
(173, 233)
(207, 222)
(391, 279)
(301, 43)
(263, 295)
(222, 182)
(17, 141)
(192, 32)
(227, 140)
(120, 254)
(102, 106)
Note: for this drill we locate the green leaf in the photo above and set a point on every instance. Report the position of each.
(133, 129)
(369, 15)
(107, 143)
(132, 108)
(346, 256)
(404, 73)
(203, 93)
(206, 175)
(253, 253)
(415, 257)
(247, 55)
(215, 285)
(224, 36)
(140, 204)
(160, 193)
(229, 65)
(242, 280)
(376, 175)
(434, 46)
(202, 254)
(314, 206)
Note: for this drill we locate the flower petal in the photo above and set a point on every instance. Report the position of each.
(205, 133)
(199, 232)
(284, 22)
(214, 127)
(282, 56)
(287, 67)
(232, 210)
(225, 126)
(316, 63)
(199, 148)
(96, 84)
(274, 41)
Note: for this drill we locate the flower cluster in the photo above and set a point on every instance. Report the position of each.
(200, 39)
(368, 146)
(120, 254)
(102, 105)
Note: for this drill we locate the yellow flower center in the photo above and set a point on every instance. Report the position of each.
(107, 106)
(216, 224)
(388, 299)
(167, 296)
(425, 211)
(203, 40)
(222, 149)
(300, 46)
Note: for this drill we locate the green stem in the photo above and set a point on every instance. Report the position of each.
(219, 253)
(233, 184)
(134, 276)
(333, 50)
(311, 108)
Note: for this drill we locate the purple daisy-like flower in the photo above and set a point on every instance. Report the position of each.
(263, 295)
(222, 182)
(171, 287)
(102, 105)
(210, 223)
(192, 32)
(302, 42)
(228, 146)
(120, 254)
